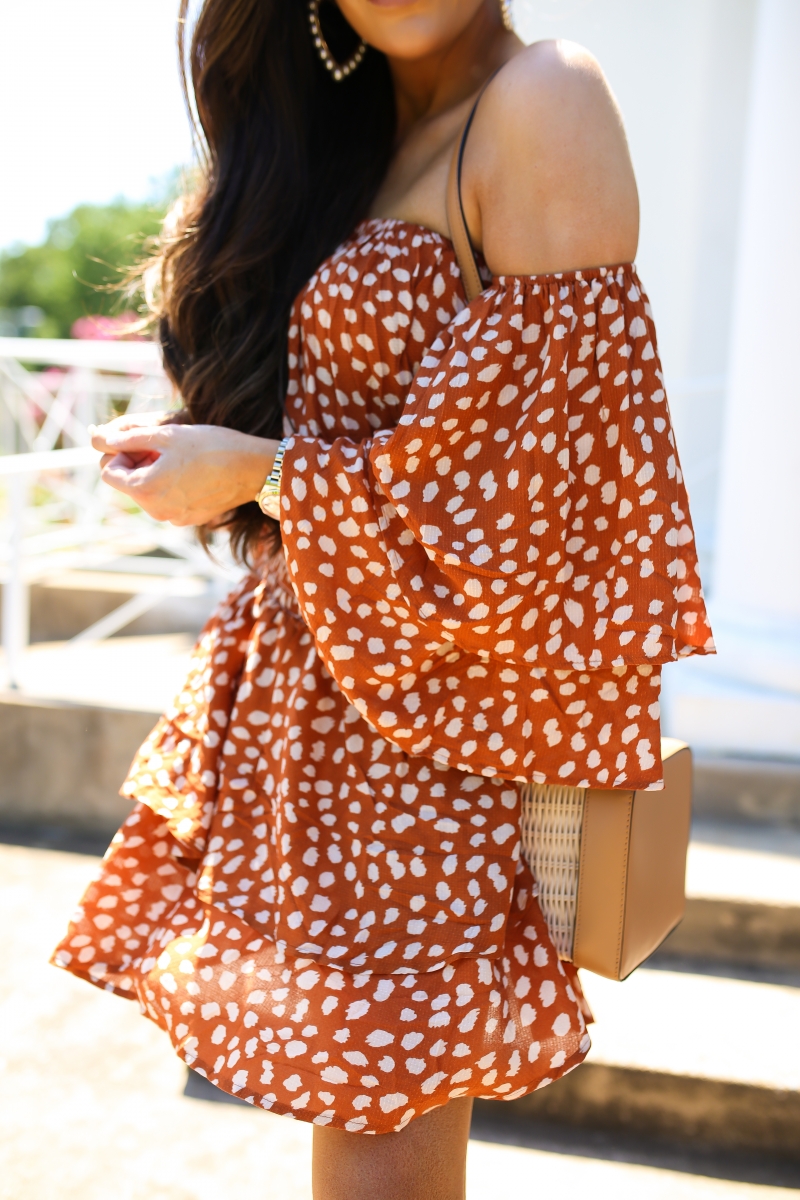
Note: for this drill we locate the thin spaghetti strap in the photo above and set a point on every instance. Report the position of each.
(459, 233)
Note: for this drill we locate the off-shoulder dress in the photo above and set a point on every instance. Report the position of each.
(488, 556)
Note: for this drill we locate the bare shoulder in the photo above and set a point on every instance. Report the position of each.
(548, 180)
(546, 75)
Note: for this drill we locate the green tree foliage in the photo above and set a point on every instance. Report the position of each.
(75, 271)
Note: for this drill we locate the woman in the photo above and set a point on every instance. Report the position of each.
(486, 556)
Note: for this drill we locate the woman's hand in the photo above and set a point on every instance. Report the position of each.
(184, 474)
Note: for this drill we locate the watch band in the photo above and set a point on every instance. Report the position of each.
(269, 498)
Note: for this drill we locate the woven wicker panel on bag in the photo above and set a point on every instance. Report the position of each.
(551, 819)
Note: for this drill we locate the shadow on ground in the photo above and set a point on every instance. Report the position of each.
(491, 1124)
(43, 835)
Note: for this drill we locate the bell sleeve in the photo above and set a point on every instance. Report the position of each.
(495, 582)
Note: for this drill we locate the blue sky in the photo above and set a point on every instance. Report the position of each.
(90, 106)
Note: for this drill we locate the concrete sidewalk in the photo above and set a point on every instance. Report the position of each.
(92, 1103)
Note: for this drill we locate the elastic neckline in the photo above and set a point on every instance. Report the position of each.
(580, 273)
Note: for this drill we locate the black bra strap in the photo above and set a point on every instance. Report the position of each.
(459, 232)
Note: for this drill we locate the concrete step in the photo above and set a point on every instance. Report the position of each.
(680, 1167)
(751, 789)
(141, 674)
(67, 600)
(694, 1058)
(62, 764)
(743, 897)
(67, 739)
(66, 603)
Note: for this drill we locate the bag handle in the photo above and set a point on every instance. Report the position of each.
(459, 234)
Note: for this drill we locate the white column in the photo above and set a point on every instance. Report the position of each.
(749, 698)
(758, 550)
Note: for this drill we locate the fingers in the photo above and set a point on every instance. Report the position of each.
(128, 422)
(130, 461)
(126, 473)
(110, 440)
(131, 421)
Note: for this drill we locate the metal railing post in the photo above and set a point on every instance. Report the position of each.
(16, 603)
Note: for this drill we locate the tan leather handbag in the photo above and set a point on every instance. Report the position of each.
(610, 866)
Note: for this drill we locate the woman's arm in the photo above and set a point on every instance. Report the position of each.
(547, 182)
(519, 546)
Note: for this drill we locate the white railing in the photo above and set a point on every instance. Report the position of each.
(58, 514)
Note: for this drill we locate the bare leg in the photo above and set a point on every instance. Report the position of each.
(426, 1161)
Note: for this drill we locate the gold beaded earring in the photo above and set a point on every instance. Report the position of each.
(339, 71)
(505, 13)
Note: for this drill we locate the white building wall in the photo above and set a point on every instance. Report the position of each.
(748, 698)
(680, 70)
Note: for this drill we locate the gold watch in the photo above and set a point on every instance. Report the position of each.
(269, 498)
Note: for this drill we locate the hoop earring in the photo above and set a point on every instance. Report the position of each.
(339, 71)
(505, 13)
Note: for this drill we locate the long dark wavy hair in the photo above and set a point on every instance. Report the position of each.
(290, 161)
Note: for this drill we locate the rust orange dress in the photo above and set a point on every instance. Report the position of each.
(488, 556)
